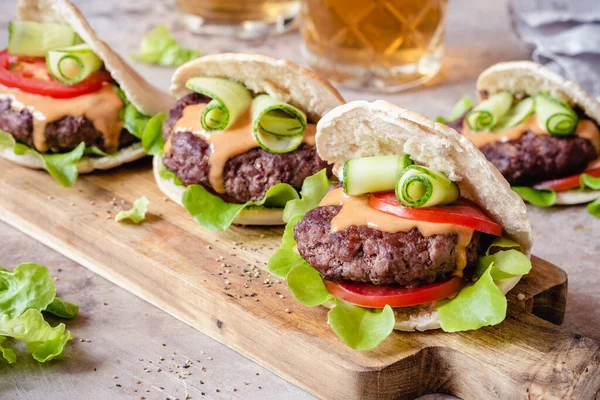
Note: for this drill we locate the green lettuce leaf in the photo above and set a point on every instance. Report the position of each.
(361, 328)
(594, 208)
(95, 151)
(462, 106)
(482, 303)
(160, 47)
(540, 198)
(588, 181)
(285, 258)
(164, 173)
(137, 213)
(134, 121)
(62, 308)
(62, 167)
(502, 243)
(43, 341)
(307, 286)
(313, 190)
(152, 138)
(7, 353)
(214, 213)
(28, 286)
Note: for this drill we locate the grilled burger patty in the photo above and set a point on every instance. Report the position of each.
(61, 136)
(364, 254)
(247, 176)
(534, 158)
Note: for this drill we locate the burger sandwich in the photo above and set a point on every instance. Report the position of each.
(420, 232)
(239, 142)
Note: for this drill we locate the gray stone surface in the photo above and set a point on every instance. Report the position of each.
(127, 336)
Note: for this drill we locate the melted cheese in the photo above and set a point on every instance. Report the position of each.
(357, 212)
(101, 108)
(585, 128)
(225, 144)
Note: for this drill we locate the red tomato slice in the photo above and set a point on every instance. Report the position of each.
(463, 213)
(569, 182)
(30, 74)
(366, 295)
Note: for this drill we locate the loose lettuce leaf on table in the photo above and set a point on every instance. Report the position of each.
(28, 286)
(158, 46)
(62, 308)
(43, 341)
(137, 213)
(7, 353)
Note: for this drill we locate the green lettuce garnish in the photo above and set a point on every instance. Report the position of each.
(160, 47)
(587, 181)
(214, 213)
(164, 173)
(537, 197)
(594, 208)
(134, 121)
(24, 293)
(462, 106)
(479, 304)
(137, 213)
(152, 139)
(62, 167)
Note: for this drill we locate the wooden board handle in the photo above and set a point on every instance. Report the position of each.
(524, 357)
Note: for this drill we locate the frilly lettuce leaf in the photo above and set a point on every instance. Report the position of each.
(285, 258)
(164, 173)
(62, 167)
(62, 308)
(152, 139)
(134, 121)
(306, 285)
(137, 213)
(214, 213)
(43, 341)
(459, 109)
(540, 198)
(95, 151)
(313, 190)
(482, 303)
(7, 353)
(160, 47)
(28, 286)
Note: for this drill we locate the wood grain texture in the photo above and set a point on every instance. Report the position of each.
(214, 282)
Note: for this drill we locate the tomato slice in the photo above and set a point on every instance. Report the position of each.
(30, 74)
(569, 182)
(463, 213)
(366, 295)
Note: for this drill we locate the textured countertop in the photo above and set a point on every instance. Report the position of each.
(120, 339)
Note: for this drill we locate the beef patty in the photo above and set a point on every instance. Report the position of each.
(62, 135)
(247, 176)
(364, 254)
(534, 158)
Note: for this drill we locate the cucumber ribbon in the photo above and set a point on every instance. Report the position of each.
(28, 38)
(278, 126)
(373, 174)
(487, 114)
(229, 100)
(73, 64)
(419, 186)
(558, 118)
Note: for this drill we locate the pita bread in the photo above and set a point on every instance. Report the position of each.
(527, 77)
(144, 96)
(363, 129)
(281, 79)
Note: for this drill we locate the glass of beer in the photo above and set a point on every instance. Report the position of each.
(385, 45)
(240, 18)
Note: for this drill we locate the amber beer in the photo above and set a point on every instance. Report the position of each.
(387, 45)
(239, 17)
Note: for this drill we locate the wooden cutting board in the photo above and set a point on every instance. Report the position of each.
(216, 283)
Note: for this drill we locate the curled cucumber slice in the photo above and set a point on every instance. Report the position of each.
(558, 118)
(419, 186)
(229, 100)
(487, 114)
(278, 127)
(517, 114)
(35, 39)
(373, 174)
(73, 64)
